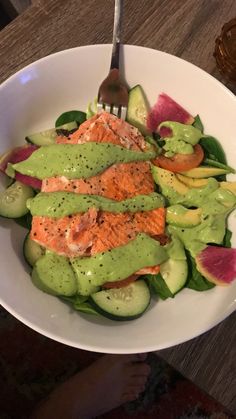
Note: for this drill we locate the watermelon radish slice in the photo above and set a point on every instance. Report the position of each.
(165, 132)
(16, 155)
(217, 264)
(166, 109)
(29, 180)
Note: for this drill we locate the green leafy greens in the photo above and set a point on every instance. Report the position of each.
(195, 280)
(70, 116)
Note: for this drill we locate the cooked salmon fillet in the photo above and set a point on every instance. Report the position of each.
(119, 182)
(98, 231)
(106, 128)
(94, 231)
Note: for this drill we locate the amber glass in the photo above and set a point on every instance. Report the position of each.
(225, 50)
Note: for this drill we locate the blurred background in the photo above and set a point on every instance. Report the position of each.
(10, 9)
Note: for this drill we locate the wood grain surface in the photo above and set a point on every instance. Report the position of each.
(186, 28)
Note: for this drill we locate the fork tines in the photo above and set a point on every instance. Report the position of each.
(119, 111)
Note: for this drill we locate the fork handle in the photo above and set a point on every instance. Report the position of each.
(116, 34)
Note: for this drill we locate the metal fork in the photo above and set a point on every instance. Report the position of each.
(112, 93)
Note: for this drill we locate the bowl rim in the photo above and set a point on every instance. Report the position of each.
(167, 344)
(129, 46)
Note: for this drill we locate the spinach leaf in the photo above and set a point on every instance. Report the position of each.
(24, 221)
(156, 136)
(80, 303)
(227, 238)
(195, 280)
(71, 116)
(212, 149)
(158, 286)
(85, 308)
(198, 123)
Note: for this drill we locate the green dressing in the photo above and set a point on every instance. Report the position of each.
(195, 239)
(183, 138)
(77, 161)
(60, 204)
(175, 249)
(215, 206)
(120, 262)
(195, 197)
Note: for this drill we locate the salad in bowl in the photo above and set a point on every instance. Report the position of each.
(122, 213)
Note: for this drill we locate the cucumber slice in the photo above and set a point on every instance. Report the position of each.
(13, 200)
(48, 136)
(138, 109)
(174, 273)
(125, 303)
(53, 274)
(32, 251)
(85, 288)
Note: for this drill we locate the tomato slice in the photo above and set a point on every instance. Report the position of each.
(181, 162)
(120, 284)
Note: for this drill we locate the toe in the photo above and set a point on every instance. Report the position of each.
(139, 381)
(129, 397)
(139, 369)
(137, 385)
(136, 389)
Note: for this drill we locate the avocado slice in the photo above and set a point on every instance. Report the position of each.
(192, 182)
(230, 186)
(167, 179)
(180, 216)
(205, 171)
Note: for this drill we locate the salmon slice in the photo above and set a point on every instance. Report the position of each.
(152, 270)
(119, 182)
(94, 231)
(106, 128)
(124, 282)
(54, 234)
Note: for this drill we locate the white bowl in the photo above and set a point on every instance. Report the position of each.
(31, 100)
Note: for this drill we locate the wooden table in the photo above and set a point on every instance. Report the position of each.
(186, 28)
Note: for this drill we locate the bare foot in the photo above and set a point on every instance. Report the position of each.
(106, 384)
